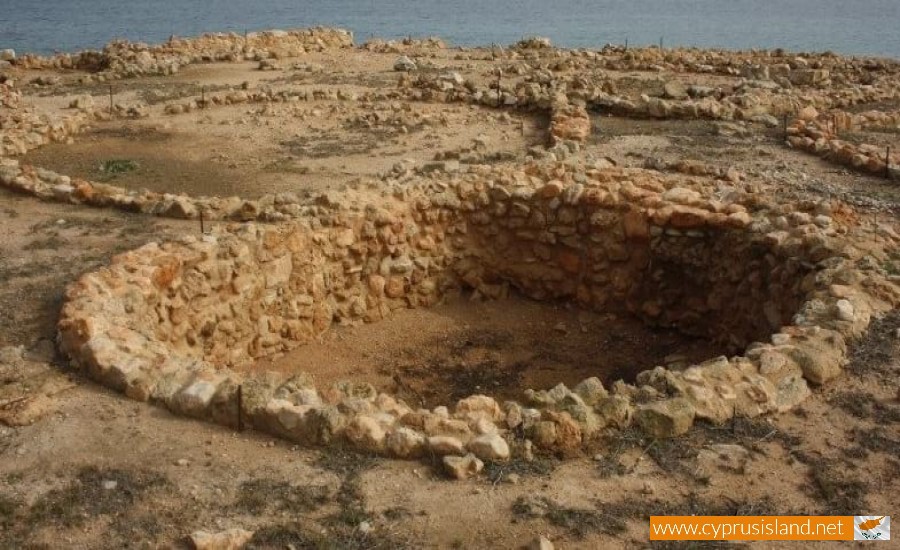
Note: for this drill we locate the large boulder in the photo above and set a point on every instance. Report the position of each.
(489, 447)
(675, 89)
(462, 467)
(668, 418)
(404, 64)
(232, 539)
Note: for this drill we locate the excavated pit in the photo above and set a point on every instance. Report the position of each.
(433, 356)
(399, 322)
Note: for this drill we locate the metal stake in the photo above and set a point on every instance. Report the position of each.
(876, 226)
(202, 229)
(240, 408)
(887, 163)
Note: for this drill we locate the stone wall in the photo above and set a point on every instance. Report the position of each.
(574, 75)
(818, 134)
(776, 281)
(21, 129)
(48, 185)
(123, 59)
(164, 322)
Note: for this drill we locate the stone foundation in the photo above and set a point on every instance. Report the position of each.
(818, 134)
(163, 323)
(779, 285)
(124, 59)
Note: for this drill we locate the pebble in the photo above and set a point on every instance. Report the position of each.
(540, 543)
(110, 484)
(182, 462)
(528, 451)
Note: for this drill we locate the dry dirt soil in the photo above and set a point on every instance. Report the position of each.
(83, 467)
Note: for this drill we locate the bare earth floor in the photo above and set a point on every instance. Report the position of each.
(439, 355)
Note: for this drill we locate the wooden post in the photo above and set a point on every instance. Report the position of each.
(660, 43)
(111, 105)
(202, 229)
(626, 43)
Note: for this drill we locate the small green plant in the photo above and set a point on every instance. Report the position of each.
(113, 167)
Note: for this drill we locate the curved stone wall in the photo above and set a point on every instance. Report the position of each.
(124, 59)
(818, 134)
(776, 283)
(164, 322)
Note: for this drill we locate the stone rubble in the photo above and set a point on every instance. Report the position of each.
(124, 59)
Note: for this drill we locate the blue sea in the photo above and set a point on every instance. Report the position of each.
(865, 27)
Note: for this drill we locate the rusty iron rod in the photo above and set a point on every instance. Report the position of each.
(887, 163)
(240, 398)
(876, 226)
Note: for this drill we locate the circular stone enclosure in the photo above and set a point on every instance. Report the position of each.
(167, 321)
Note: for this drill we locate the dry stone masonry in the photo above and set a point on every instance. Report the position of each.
(780, 285)
(124, 59)
(165, 322)
(819, 134)
(540, 77)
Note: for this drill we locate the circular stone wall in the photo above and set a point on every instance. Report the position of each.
(166, 321)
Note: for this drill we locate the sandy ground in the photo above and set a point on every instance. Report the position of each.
(82, 467)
